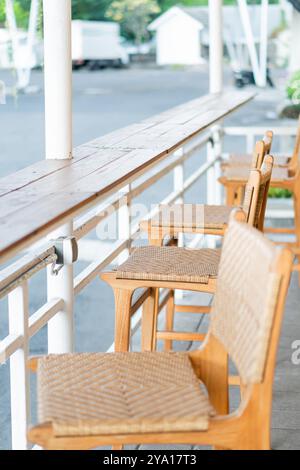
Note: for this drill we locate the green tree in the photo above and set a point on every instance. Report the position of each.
(21, 8)
(134, 16)
(90, 9)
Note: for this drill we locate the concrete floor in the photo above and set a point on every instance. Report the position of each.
(104, 101)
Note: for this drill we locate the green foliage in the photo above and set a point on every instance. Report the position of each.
(293, 87)
(134, 16)
(21, 8)
(279, 193)
(90, 9)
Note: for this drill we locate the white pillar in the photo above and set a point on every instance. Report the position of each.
(58, 78)
(58, 130)
(295, 38)
(215, 46)
(263, 51)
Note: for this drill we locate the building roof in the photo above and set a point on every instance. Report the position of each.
(198, 13)
(231, 16)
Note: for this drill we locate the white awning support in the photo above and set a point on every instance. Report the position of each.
(58, 78)
(215, 46)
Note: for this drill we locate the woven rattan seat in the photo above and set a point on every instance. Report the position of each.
(89, 394)
(171, 264)
(191, 216)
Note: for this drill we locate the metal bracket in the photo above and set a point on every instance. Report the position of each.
(66, 250)
(211, 140)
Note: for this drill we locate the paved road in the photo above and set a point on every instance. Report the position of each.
(103, 101)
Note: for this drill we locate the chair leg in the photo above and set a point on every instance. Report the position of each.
(240, 194)
(230, 195)
(170, 311)
(149, 321)
(122, 318)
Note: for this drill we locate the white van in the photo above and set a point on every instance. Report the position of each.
(97, 44)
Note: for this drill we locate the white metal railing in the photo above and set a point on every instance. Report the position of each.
(14, 277)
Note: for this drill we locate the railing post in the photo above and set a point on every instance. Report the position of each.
(178, 182)
(217, 150)
(210, 185)
(211, 179)
(124, 221)
(58, 136)
(18, 312)
(61, 327)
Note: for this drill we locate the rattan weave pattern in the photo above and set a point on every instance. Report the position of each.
(244, 303)
(169, 263)
(192, 216)
(98, 393)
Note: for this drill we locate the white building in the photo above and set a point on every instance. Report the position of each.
(179, 35)
(182, 33)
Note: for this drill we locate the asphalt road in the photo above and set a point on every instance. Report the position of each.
(103, 101)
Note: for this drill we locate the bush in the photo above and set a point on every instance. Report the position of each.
(279, 193)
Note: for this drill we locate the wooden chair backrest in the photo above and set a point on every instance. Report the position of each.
(262, 148)
(268, 140)
(249, 301)
(256, 193)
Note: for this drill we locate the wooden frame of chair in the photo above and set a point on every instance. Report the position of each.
(234, 189)
(247, 428)
(124, 288)
(157, 233)
(291, 182)
(249, 160)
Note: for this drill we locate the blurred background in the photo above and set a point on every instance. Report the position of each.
(133, 58)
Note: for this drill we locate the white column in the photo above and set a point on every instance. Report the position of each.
(215, 46)
(263, 51)
(295, 38)
(58, 134)
(58, 78)
(246, 23)
(18, 310)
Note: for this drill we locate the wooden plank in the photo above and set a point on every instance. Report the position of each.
(41, 169)
(40, 197)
